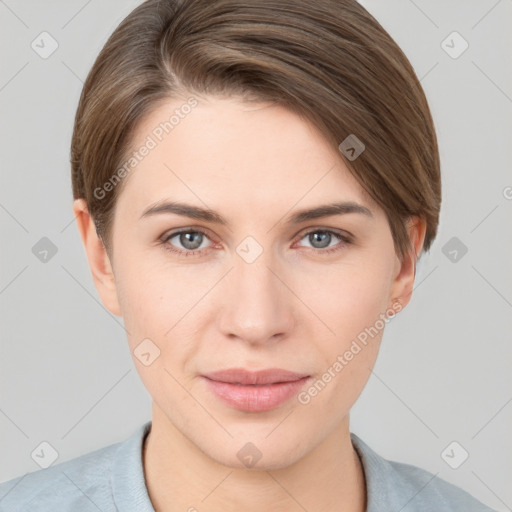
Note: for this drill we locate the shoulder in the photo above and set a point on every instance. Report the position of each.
(67, 485)
(87, 482)
(392, 484)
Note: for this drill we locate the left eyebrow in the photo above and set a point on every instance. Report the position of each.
(340, 208)
(207, 215)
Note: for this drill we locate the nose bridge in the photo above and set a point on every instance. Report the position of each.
(252, 272)
(256, 305)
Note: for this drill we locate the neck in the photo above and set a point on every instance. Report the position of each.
(181, 477)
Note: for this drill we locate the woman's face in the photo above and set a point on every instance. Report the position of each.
(260, 290)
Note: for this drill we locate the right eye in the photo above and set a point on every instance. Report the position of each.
(190, 239)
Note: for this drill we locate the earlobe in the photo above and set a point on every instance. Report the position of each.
(406, 269)
(97, 256)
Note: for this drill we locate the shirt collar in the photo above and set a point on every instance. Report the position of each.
(128, 482)
(383, 487)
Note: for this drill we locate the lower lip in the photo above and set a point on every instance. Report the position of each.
(255, 398)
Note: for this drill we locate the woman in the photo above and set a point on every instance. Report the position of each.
(254, 183)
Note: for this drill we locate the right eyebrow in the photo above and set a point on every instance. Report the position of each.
(185, 210)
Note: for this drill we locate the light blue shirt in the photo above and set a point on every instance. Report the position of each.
(111, 479)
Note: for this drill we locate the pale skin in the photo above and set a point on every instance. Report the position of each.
(295, 307)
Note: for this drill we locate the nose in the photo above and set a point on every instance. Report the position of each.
(257, 306)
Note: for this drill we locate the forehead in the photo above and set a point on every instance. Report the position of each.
(228, 151)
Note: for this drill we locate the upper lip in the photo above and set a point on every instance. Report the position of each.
(243, 376)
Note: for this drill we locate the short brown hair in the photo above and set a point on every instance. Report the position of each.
(329, 61)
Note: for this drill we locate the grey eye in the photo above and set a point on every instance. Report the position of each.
(189, 240)
(322, 237)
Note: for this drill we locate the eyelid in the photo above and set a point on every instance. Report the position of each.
(164, 239)
(188, 229)
(315, 229)
(345, 239)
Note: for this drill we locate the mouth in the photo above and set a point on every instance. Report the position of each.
(259, 391)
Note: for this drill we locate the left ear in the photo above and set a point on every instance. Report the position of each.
(405, 270)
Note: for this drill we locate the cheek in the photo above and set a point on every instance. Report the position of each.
(144, 295)
(154, 308)
(161, 302)
(353, 303)
(349, 298)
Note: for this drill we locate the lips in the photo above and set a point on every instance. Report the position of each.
(259, 391)
(261, 377)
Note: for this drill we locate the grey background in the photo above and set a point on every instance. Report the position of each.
(444, 371)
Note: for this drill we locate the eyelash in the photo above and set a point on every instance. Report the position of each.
(345, 240)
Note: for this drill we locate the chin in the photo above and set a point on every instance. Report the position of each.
(254, 452)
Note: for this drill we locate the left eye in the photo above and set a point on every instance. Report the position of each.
(322, 239)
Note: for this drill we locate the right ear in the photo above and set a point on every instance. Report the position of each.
(99, 261)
